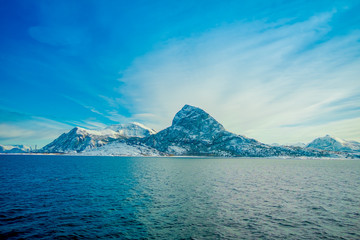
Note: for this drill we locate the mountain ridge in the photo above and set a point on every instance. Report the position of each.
(193, 132)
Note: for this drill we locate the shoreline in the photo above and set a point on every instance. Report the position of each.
(212, 157)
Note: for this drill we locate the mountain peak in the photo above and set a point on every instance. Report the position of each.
(334, 144)
(334, 139)
(78, 130)
(82, 131)
(191, 117)
(188, 109)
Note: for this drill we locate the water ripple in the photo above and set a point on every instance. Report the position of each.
(63, 197)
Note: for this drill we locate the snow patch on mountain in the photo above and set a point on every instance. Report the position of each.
(122, 149)
(133, 129)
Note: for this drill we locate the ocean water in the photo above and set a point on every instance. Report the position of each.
(69, 197)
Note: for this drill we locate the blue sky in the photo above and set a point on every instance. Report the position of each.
(277, 71)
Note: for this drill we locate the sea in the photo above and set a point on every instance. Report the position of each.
(79, 197)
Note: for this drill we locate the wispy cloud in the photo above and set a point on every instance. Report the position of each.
(255, 78)
(30, 130)
(110, 113)
(347, 129)
(79, 102)
(264, 69)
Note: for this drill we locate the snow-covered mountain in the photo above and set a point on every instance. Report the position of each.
(122, 148)
(80, 139)
(334, 144)
(132, 130)
(14, 149)
(195, 132)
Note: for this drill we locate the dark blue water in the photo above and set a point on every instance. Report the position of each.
(64, 197)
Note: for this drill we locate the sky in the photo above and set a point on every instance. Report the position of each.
(277, 71)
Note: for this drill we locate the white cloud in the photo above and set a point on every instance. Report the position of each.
(12, 131)
(35, 130)
(255, 78)
(347, 129)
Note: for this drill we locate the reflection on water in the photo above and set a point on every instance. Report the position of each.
(178, 198)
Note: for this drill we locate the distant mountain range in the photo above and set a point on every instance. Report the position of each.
(14, 149)
(193, 133)
(298, 144)
(328, 143)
